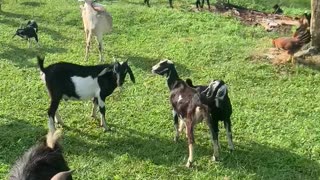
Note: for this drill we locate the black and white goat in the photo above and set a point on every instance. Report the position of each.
(71, 81)
(187, 106)
(28, 32)
(215, 95)
(42, 161)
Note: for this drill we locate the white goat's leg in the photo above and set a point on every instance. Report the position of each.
(94, 108)
(51, 125)
(88, 39)
(57, 118)
(190, 159)
(29, 43)
(100, 42)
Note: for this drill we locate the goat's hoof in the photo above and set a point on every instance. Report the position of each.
(189, 164)
(231, 149)
(107, 129)
(176, 139)
(215, 159)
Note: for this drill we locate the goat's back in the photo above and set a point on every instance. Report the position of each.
(98, 22)
(182, 97)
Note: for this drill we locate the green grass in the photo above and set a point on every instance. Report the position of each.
(276, 109)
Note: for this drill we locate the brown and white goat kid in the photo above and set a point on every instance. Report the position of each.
(42, 161)
(96, 21)
(187, 106)
(70, 81)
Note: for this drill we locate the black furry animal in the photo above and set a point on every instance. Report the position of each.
(43, 161)
(28, 32)
(277, 9)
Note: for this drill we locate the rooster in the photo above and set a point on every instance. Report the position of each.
(292, 44)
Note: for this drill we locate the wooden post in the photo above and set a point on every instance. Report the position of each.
(315, 24)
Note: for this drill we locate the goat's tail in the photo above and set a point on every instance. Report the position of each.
(53, 137)
(40, 63)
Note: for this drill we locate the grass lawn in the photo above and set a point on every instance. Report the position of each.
(276, 109)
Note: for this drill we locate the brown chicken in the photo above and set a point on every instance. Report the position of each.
(292, 44)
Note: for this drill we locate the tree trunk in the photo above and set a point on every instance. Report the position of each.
(315, 24)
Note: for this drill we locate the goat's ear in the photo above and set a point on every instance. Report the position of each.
(62, 175)
(103, 72)
(116, 67)
(131, 75)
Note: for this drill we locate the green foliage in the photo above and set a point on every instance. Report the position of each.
(276, 110)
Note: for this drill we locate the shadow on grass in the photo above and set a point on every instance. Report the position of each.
(263, 161)
(20, 56)
(15, 15)
(146, 64)
(16, 137)
(147, 147)
(32, 4)
(271, 163)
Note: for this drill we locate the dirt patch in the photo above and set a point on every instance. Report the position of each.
(271, 22)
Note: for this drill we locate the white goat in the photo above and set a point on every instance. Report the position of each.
(97, 21)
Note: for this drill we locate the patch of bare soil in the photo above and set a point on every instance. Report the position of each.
(271, 22)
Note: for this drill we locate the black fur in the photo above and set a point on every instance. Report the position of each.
(39, 162)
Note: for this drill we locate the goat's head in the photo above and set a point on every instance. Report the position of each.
(121, 69)
(163, 67)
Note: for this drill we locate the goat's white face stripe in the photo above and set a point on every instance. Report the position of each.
(86, 88)
(180, 98)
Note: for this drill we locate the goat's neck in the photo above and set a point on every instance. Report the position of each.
(172, 78)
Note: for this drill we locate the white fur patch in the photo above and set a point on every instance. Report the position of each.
(86, 88)
(43, 76)
(180, 98)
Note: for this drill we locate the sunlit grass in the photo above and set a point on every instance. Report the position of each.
(276, 109)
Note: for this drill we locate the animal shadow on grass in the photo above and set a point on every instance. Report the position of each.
(32, 4)
(15, 15)
(271, 163)
(16, 137)
(146, 64)
(139, 145)
(20, 56)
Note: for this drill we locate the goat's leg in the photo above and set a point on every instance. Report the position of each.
(147, 2)
(208, 4)
(94, 108)
(202, 3)
(37, 40)
(176, 124)
(57, 118)
(214, 130)
(197, 4)
(190, 142)
(227, 125)
(88, 39)
(51, 113)
(170, 3)
(100, 42)
(102, 109)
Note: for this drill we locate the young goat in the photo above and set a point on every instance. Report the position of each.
(187, 106)
(96, 21)
(28, 32)
(216, 97)
(71, 81)
(42, 161)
